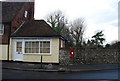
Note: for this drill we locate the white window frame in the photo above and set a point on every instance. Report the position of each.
(2, 29)
(36, 40)
(22, 45)
(16, 47)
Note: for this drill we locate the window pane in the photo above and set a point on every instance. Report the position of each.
(37, 47)
(26, 45)
(33, 50)
(37, 50)
(45, 47)
(0, 32)
(33, 44)
(19, 47)
(19, 44)
(30, 50)
(41, 43)
(37, 44)
(46, 44)
(1, 26)
(41, 50)
(30, 44)
(27, 50)
(1, 29)
(46, 50)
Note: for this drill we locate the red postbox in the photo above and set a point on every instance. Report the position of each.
(72, 53)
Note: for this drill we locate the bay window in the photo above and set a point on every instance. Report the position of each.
(37, 47)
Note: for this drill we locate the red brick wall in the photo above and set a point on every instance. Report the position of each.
(4, 38)
(19, 19)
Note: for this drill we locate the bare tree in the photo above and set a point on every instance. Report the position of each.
(73, 35)
(67, 35)
(77, 31)
(57, 20)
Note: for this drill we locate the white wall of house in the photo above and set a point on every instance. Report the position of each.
(53, 57)
(11, 50)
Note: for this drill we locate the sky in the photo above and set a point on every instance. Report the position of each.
(98, 14)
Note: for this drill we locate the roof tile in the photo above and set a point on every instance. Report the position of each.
(10, 9)
(35, 28)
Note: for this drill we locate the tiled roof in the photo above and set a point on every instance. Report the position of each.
(10, 10)
(35, 28)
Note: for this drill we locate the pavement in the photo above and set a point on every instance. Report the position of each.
(57, 68)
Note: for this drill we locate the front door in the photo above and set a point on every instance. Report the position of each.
(18, 56)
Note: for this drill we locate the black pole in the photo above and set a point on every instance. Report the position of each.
(9, 34)
(41, 61)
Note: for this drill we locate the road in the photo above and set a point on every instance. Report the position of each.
(17, 74)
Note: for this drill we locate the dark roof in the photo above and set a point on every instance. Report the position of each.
(10, 10)
(35, 28)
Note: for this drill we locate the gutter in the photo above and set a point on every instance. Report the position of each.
(39, 37)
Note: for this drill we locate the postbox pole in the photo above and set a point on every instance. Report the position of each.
(41, 61)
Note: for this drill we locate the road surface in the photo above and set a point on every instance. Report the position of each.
(18, 74)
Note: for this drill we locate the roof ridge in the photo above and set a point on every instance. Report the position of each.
(51, 28)
(19, 27)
